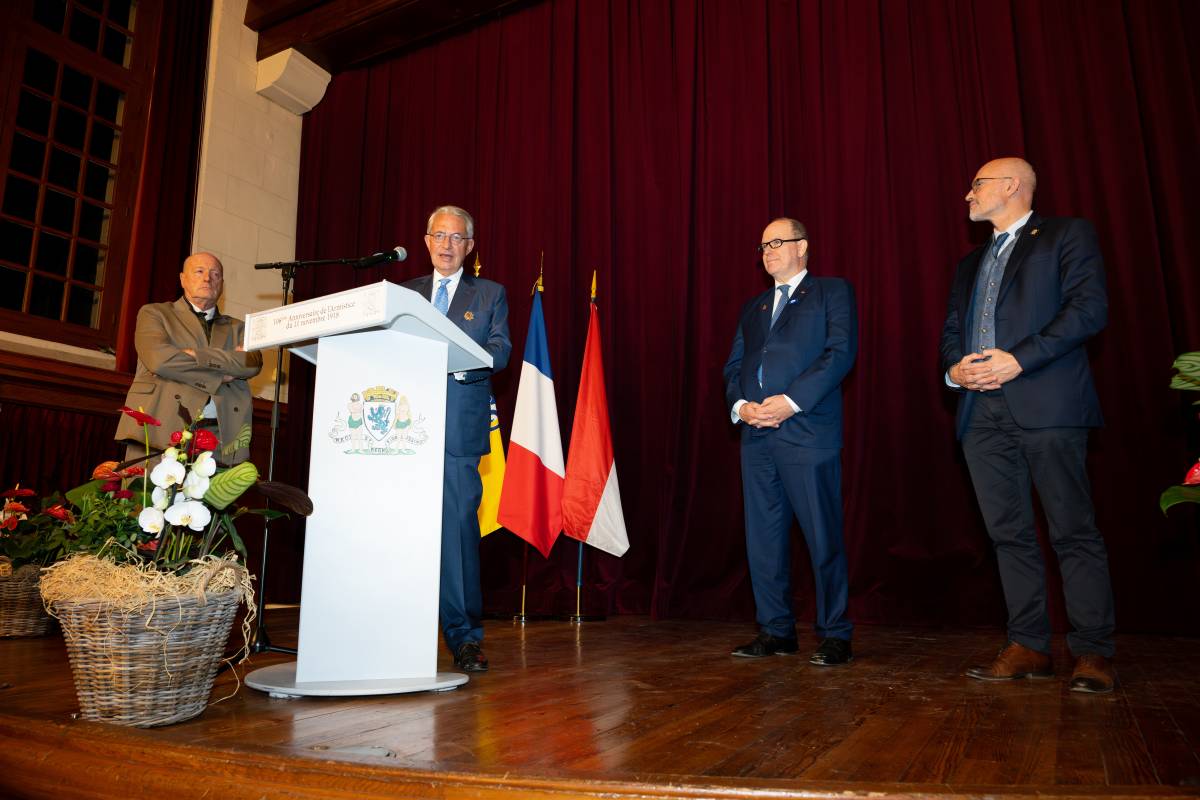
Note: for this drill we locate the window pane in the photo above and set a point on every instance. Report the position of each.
(98, 185)
(50, 13)
(76, 88)
(58, 211)
(12, 288)
(116, 46)
(110, 103)
(40, 71)
(16, 241)
(93, 223)
(94, 5)
(64, 169)
(47, 297)
(27, 155)
(20, 198)
(121, 12)
(83, 305)
(33, 113)
(69, 127)
(85, 29)
(104, 142)
(89, 264)
(52, 253)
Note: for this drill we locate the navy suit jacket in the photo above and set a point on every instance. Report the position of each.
(480, 309)
(805, 356)
(1052, 300)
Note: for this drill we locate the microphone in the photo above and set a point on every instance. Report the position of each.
(395, 254)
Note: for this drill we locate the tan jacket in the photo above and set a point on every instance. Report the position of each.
(167, 377)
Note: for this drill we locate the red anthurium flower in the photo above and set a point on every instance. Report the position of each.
(122, 494)
(60, 512)
(132, 472)
(206, 440)
(9, 524)
(17, 491)
(151, 545)
(176, 437)
(111, 486)
(1193, 476)
(104, 471)
(140, 417)
(13, 507)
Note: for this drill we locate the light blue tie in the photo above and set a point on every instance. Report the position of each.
(441, 300)
(783, 300)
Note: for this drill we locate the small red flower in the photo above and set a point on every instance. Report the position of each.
(9, 524)
(13, 507)
(122, 494)
(151, 545)
(140, 417)
(1193, 476)
(132, 472)
(205, 440)
(17, 491)
(111, 486)
(176, 437)
(61, 513)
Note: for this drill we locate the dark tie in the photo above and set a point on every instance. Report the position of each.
(998, 245)
(205, 323)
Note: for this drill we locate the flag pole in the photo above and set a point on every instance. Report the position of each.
(579, 616)
(522, 617)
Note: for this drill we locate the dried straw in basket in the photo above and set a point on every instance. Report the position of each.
(145, 646)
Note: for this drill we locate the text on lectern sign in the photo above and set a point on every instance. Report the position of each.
(321, 316)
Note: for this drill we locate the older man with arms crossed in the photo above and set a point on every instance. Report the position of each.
(190, 355)
(1021, 310)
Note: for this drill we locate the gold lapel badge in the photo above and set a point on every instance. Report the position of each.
(1033, 232)
(469, 316)
(764, 307)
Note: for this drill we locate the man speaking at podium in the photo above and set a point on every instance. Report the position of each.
(480, 308)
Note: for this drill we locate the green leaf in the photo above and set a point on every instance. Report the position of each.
(267, 513)
(91, 488)
(1188, 377)
(1179, 494)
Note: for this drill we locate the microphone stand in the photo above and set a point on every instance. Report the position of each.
(287, 270)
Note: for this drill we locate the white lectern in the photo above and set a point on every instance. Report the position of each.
(369, 598)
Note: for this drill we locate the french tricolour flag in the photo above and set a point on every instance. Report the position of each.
(591, 497)
(531, 500)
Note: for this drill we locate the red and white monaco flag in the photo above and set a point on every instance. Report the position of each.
(591, 503)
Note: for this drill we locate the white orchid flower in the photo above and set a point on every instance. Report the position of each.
(151, 519)
(205, 464)
(167, 473)
(191, 513)
(159, 498)
(195, 485)
(170, 454)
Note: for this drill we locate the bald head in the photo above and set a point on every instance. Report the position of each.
(1002, 191)
(202, 279)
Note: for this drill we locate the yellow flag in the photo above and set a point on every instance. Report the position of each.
(491, 472)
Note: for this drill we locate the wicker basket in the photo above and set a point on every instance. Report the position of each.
(21, 609)
(153, 667)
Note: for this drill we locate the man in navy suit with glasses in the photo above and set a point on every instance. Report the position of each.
(794, 345)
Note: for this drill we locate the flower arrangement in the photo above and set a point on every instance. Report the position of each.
(28, 536)
(1186, 378)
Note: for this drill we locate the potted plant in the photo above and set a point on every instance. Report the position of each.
(1186, 378)
(29, 540)
(148, 595)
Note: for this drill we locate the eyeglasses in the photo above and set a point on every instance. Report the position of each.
(456, 239)
(977, 184)
(775, 244)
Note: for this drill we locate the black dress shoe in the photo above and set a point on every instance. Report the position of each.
(470, 658)
(767, 645)
(832, 652)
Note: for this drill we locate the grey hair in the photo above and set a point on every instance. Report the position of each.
(453, 211)
(798, 229)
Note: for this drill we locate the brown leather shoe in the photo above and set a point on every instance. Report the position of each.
(1093, 674)
(1014, 661)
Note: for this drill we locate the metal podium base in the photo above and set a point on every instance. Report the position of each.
(279, 680)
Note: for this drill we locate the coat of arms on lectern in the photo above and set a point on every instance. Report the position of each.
(379, 421)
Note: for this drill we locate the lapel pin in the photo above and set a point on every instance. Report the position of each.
(764, 307)
(1034, 232)
(469, 316)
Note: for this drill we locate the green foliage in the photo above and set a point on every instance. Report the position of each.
(1179, 494)
(1186, 378)
(39, 539)
(100, 519)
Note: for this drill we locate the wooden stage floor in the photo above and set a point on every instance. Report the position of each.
(630, 707)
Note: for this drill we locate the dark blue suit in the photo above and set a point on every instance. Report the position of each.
(795, 469)
(480, 309)
(1034, 429)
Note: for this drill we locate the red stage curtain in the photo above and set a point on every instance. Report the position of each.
(653, 141)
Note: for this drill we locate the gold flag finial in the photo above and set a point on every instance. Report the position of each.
(593, 286)
(539, 287)
(478, 266)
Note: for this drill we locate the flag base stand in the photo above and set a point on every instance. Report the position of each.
(580, 618)
(521, 619)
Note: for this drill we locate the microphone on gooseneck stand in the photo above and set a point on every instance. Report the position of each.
(395, 254)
